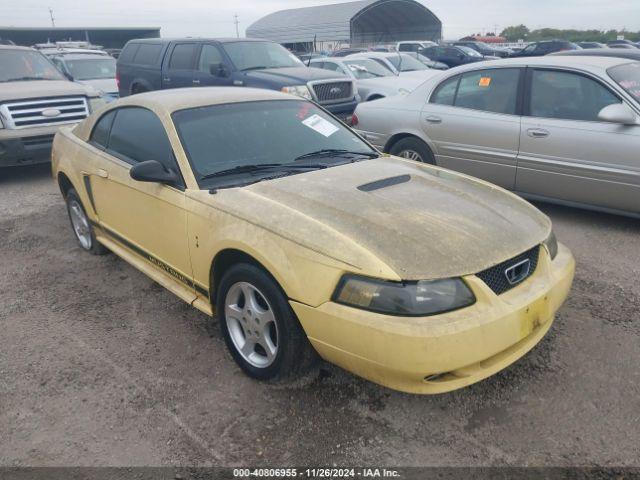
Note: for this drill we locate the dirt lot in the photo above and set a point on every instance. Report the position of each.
(100, 366)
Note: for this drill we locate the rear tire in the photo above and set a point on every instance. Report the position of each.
(259, 327)
(81, 225)
(413, 148)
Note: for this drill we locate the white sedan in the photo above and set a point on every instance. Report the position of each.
(403, 64)
(372, 79)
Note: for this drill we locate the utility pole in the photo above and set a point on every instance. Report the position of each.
(53, 20)
(237, 22)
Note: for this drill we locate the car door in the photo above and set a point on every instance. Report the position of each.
(178, 67)
(567, 153)
(473, 121)
(212, 67)
(147, 218)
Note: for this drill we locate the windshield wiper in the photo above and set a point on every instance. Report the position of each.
(259, 67)
(262, 167)
(24, 79)
(328, 152)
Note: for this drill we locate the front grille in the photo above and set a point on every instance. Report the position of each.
(496, 277)
(38, 141)
(31, 113)
(331, 92)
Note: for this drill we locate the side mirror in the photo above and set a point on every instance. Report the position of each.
(218, 70)
(154, 172)
(618, 113)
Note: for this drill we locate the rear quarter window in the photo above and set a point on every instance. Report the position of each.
(148, 54)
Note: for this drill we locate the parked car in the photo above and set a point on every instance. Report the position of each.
(427, 62)
(602, 52)
(453, 56)
(591, 45)
(372, 79)
(624, 46)
(157, 64)
(546, 47)
(343, 52)
(572, 139)
(304, 240)
(35, 100)
(88, 67)
(617, 43)
(414, 46)
(305, 57)
(402, 64)
(484, 49)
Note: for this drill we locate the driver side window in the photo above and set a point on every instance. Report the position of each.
(137, 135)
(210, 55)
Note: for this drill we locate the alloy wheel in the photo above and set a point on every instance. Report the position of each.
(411, 155)
(251, 324)
(80, 224)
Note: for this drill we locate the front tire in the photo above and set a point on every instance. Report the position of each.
(415, 149)
(81, 225)
(259, 327)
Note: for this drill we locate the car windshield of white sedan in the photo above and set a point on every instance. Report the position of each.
(365, 68)
(470, 51)
(264, 138)
(628, 77)
(92, 68)
(406, 63)
(25, 65)
(260, 55)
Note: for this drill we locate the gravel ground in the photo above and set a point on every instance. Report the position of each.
(100, 366)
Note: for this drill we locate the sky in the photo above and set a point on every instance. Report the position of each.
(215, 18)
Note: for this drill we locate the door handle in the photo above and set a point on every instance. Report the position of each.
(196, 82)
(538, 133)
(102, 173)
(166, 79)
(432, 119)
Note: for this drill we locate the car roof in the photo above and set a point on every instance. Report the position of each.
(579, 62)
(15, 47)
(73, 51)
(164, 41)
(601, 52)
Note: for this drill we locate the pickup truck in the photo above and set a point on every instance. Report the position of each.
(35, 101)
(155, 64)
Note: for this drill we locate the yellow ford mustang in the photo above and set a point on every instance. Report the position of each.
(264, 208)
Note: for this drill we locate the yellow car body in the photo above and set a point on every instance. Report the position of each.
(309, 230)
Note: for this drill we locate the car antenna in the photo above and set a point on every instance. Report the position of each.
(314, 50)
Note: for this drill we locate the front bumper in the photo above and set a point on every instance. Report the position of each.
(26, 146)
(445, 352)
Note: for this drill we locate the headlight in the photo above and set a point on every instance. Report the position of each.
(551, 244)
(405, 299)
(299, 90)
(96, 103)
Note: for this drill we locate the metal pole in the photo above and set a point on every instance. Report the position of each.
(53, 20)
(237, 22)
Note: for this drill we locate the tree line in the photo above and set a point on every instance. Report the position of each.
(522, 32)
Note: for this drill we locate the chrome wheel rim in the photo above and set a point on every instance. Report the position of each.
(411, 155)
(251, 324)
(80, 224)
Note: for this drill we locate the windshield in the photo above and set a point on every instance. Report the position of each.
(91, 69)
(366, 68)
(628, 77)
(470, 51)
(219, 138)
(23, 65)
(406, 63)
(259, 55)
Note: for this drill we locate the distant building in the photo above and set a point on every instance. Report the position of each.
(105, 36)
(362, 23)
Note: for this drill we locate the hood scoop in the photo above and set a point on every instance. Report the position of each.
(384, 183)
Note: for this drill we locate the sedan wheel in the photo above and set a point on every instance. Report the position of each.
(251, 324)
(81, 225)
(411, 155)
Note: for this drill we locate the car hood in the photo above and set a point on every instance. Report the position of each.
(421, 74)
(41, 88)
(106, 85)
(394, 83)
(294, 75)
(393, 215)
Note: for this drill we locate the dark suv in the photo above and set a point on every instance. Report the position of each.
(157, 64)
(546, 47)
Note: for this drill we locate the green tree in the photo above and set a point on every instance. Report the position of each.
(515, 33)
